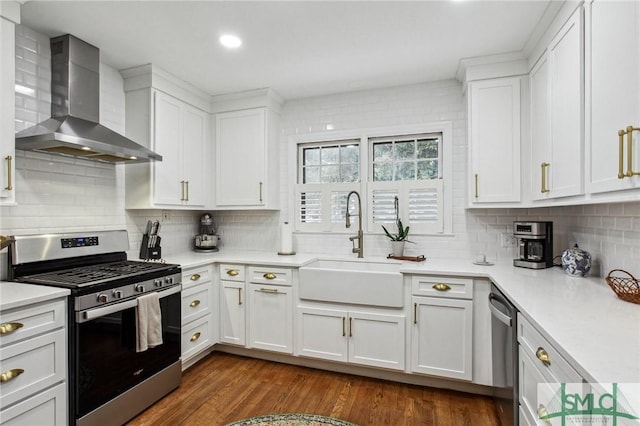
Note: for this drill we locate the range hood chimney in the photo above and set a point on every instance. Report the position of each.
(74, 127)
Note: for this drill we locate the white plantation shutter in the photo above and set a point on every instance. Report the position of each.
(420, 205)
(321, 207)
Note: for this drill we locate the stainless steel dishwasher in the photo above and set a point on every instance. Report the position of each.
(504, 342)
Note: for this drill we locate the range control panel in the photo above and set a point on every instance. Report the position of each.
(79, 242)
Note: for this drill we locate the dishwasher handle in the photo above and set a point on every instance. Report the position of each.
(500, 316)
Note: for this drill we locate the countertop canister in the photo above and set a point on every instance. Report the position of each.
(576, 262)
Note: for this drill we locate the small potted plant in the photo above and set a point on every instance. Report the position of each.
(399, 238)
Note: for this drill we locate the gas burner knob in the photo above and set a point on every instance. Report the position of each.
(103, 298)
(139, 288)
(157, 283)
(168, 280)
(117, 294)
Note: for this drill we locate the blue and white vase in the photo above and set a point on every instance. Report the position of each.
(576, 261)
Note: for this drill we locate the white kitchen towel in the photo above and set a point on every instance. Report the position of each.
(149, 322)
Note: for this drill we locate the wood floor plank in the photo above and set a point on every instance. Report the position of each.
(223, 388)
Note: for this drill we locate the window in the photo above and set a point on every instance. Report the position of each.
(412, 166)
(407, 167)
(327, 172)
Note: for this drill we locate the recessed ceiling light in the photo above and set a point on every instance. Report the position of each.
(230, 41)
(86, 148)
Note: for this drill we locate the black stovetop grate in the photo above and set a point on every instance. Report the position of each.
(91, 274)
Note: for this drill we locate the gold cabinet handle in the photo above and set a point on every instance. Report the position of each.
(441, 287)
(7, 376)
(630, 130)
(260, 191)
(350, 327)
(415, 313)
(187, 192)
(233, 272)
(543, 176)
(195, 277)
(269, 290)
(621, 134)
(344, 331)
(195, 337)
(543, 356)
(269, 276)
(194, 303)
(239, 296)
(476, 184)
(9, 186)
(182, 198)
(10, 327)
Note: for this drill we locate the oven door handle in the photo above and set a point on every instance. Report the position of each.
(117, 307)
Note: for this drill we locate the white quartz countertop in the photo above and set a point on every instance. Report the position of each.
(16, 295)
(595, 331)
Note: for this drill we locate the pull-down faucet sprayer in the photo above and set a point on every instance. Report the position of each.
(359, 249)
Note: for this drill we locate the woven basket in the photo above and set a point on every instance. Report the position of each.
(626, 288)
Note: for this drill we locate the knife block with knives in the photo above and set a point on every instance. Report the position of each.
(150, 247)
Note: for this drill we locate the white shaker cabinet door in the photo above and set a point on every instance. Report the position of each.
(613, 101)
(168, 129)
(7, 107)
(494, 138)
(232, 313)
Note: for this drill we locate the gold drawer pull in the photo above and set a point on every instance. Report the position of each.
(543, 356)
(194, 303)
(344, 332)
(441, 287)
(195, 337)
(239, 296)
(269, 290)
(195, 277)
(10, 327)
(233, 272)
(270, 276)
(7, 376)
(621, 134)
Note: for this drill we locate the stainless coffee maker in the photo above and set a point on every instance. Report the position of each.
(535, 244)
(206, 240)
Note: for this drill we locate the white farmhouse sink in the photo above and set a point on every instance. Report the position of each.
(359, 282)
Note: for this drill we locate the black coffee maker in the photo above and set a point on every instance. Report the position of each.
(535, 244)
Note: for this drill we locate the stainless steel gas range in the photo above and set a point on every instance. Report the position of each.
(110, 378)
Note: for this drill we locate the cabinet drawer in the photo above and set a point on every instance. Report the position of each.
(458, 288)
(46, 408)
(31, 321)
(196, 337)
(196, 302)
(43, 361)
(533, 344)
(232, 272)
(195, 276)
(269, 275)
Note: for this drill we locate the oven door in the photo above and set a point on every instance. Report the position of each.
(105, 344)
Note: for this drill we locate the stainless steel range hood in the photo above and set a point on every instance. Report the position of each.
(74, 127)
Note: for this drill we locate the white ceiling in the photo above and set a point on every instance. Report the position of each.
(298, 48)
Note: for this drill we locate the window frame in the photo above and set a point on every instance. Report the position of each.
(364, 135)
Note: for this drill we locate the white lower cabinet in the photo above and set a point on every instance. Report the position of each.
(365, 338)
(271, 317)
(197, 319)
(232, 305)
(442, 337)
(541, 370)
(442, 329)
(33, 356)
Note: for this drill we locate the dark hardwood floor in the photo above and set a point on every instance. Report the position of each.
(223, 388)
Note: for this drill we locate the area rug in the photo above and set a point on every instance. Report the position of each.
(291, 420)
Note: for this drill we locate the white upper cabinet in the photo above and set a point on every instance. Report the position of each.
(169, 119)
(494, 138)
(613, 96)
(180, 133)
(7, 115)
(247, 159)
(557, 154)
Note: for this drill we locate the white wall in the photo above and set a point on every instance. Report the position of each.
(57, 194)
